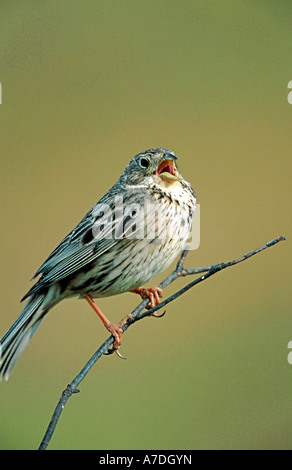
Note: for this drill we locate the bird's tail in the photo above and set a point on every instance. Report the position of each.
(20, 333)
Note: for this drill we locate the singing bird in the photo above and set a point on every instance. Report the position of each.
(130, 235)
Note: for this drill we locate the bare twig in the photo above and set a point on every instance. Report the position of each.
(137, 314)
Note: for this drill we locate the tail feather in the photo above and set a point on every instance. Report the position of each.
(18, 336)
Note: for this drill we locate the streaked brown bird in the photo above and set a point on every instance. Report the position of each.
(128, 237)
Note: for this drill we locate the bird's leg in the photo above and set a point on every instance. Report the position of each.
(115, 330)
(153, 293)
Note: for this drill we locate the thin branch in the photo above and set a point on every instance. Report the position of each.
(137, 314)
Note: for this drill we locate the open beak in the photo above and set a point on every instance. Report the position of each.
(167, 169)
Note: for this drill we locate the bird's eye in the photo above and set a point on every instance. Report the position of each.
(144, 162)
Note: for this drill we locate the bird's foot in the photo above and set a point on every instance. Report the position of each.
(117, 333)
(153, 293)
(115, 330)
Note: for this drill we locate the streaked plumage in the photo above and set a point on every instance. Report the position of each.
(133, 233)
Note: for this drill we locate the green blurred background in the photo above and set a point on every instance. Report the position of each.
(86, 85)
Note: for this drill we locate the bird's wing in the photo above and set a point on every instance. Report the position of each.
(92, 237)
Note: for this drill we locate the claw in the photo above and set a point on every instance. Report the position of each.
(114, 350)
(119, 354)
(108, 352)
(158, 316)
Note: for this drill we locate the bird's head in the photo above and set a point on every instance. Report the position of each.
(153, 166)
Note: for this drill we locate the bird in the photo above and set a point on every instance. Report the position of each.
(133, 233)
